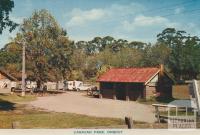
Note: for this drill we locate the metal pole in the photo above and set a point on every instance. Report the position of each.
(23, 70)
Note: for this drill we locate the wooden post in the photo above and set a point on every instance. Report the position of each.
(100, 96)
(114, 91)
(157, 114)
(129, 122)
(127, 96)
(186, 111)
(114, 97)
(15, 125)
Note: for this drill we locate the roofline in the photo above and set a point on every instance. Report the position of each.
(12, 78)
(132, 67)
(129, 68)
(170, 76)
(152, 77)
(119, 82)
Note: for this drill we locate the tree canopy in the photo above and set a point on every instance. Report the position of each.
(47, 47)
(184, 53)
(6, 7)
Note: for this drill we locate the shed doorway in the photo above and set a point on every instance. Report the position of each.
(120, 89)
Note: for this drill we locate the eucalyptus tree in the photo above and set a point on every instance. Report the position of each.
(48, 49)
(184, 50)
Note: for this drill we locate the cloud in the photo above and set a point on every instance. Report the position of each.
(147, 21)
(178, 10)
(80, 17)
(121, 10)
(122, 21)
(17, 19)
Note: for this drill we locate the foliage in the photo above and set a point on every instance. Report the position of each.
(5, 9)
(16, 99)
(48, 49)
(184, 53)
(155, 55)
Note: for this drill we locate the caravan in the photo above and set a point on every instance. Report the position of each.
(72, 85)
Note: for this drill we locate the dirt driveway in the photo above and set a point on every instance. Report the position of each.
(74, 102)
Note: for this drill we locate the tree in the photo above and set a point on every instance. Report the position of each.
(126, 57)
(192, 57)
(137, 45)
(183, 53)
(10, 59)
(47, 47)
(5, 9)
(154, 55)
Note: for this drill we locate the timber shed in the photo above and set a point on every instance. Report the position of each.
(135, 83)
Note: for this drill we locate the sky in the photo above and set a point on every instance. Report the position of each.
(133, 20)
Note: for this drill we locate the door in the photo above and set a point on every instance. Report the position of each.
(120, 89)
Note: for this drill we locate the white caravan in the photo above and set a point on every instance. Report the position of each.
(73, 85)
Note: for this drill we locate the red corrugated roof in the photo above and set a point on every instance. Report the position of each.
(139, 75)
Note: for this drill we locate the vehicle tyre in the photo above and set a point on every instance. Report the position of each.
(12, 89)
(78, 89)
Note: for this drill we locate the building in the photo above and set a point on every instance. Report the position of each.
(135, 83)
(6, 79)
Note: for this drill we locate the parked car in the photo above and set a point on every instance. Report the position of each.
(96, 93)
(83, 87)
(17, 87)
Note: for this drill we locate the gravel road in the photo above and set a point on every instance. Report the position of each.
(79, 103)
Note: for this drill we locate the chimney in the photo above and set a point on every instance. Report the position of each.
(161, 69)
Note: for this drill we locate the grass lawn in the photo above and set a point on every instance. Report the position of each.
(41, 119)
(17, 98)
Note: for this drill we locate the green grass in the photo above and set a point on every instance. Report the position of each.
(158, 100)
(34, 118)
(17, 98)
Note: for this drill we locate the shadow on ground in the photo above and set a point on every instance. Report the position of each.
(6, 105)
(164, 100)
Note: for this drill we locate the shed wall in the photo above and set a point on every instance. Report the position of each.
(149, 91)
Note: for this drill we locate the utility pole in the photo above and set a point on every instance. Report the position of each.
(23, 70)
